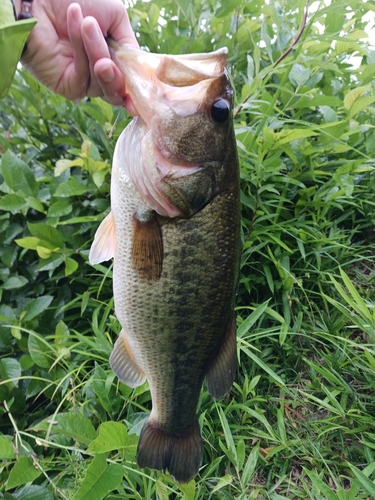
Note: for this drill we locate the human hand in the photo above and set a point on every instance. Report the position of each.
(67, 52)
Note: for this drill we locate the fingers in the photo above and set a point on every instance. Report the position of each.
(79, 76)
(95, 72)
(111, 81)
(106, 79)
(122, 32)
(96, 48)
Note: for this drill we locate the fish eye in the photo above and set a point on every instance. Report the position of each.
(220, 111)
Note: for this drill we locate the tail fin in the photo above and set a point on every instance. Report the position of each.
(180, 453)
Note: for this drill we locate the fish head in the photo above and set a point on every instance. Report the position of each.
(185, 103)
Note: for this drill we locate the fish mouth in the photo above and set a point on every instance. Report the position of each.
(180, 78)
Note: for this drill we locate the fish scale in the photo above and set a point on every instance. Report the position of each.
(174, 234)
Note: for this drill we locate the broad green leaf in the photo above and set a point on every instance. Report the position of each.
(26, 361)
(33, 492)
(90, 149)
(368, 71)
(100, 388)
(334, 21)
(51, 262)
(43, 252)
(36, 307)
(299, 75)
(23, 471)
(100, 479)
(30, 242)
(188, 489)
(329, 114)
(318, 100)
(351, 97)
(161, 490)
(361, 104)
(36, 204)
(18, 175)
(112, 436)
(47, 234)
(12, 202)
(62, 165)
(98, 177)
(10, 369)
(60, 208)
(61, 333)
(70, 188)
(357, 35)
(105, 108)
(6, 449)
(40, 351)
(72, 425)
(71, 265)
(14, 282)
(290, 135)
(343, 46)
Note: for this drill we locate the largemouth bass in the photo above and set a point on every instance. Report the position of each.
(173, 231)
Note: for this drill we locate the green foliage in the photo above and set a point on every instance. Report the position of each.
(299, 421)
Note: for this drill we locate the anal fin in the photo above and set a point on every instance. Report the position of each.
(124, 364)
(177, 452)
(147, 249)
(221, 372)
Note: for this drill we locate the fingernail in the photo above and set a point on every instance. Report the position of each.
(75, 12)
(107, 75)
(92, 31)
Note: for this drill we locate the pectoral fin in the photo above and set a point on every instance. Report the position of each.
(147, 250)
(220, 374)
(124, 364)
(103, 247)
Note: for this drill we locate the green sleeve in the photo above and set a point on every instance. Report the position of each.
(13, 35)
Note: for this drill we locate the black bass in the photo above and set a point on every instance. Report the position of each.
(173, 231)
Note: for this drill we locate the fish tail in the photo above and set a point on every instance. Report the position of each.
(180, 452)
